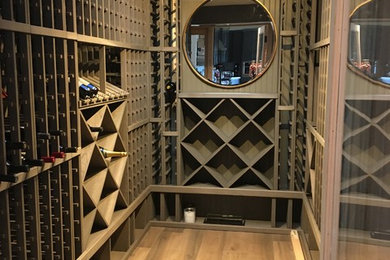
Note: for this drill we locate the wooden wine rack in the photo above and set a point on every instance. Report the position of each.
(86, 206)
(229, 142)
(83, 205)
(104, 188)
(302, 92)
(137, 77)
(293, 84)
(366, 163)
(40, 216)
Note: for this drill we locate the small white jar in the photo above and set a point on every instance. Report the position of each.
(189, 215)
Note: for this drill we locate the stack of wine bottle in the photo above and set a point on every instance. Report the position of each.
(86, 89)
(26, 162)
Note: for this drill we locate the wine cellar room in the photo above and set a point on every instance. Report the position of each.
(194, 129)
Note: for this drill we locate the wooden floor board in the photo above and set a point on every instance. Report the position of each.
(191, 244)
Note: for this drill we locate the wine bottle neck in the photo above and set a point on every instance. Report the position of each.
(107, 153)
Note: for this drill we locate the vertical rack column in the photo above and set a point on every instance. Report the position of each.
(17, 219)
(25, 84)
(5, 231)
(288, 81)
(11, 90)
(315, 125)
(302, 92)
(32, 211)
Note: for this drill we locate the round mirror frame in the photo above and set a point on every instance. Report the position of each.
(202, 78)
(350, 66)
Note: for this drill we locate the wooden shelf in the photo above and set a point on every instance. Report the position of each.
(250, 226)
(364, 199)
(361, 236)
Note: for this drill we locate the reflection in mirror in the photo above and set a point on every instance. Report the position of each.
(230, 42)
(369, 51)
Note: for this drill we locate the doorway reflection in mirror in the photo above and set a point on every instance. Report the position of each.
(369, 54)
(230, 42)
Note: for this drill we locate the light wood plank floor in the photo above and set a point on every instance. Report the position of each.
(176, 244)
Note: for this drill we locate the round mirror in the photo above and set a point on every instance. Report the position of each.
(369, 36)
(230, 43)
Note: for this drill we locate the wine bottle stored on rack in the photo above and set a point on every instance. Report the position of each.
(170, 92)
(84, 92)
(63, 151)
(31, 162)
(86, 89)
(11, 168)
(8, 178)
(94, 90)
(108, 153)
(16, 145)
(99, 129)
(69, 149)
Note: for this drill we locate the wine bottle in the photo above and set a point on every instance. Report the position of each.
(69, 149)
(84, 92)
(43, 136)
(58, 154)
(99, 129)
(170, 92)
(32, 162)
(8, 178)
(57, 133)
(48, 159)
(107, 153)
(93, 90)
(40, 135)
(16, 145)
(11, 168)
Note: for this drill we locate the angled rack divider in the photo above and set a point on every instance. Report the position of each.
(366, 164)
(240, 129)
(228, 143)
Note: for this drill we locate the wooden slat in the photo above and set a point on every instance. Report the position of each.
(3, 168)
(46, 215)
(320, 44)
(57, 213)
(296, 245)
(5, 231)
(102, 68)
(31, 191)
(312, 220)
(226, 191)
(12, 88)
(316, 135)
(80, 37)
(28, 106)
(20, 248)
(67, 212)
